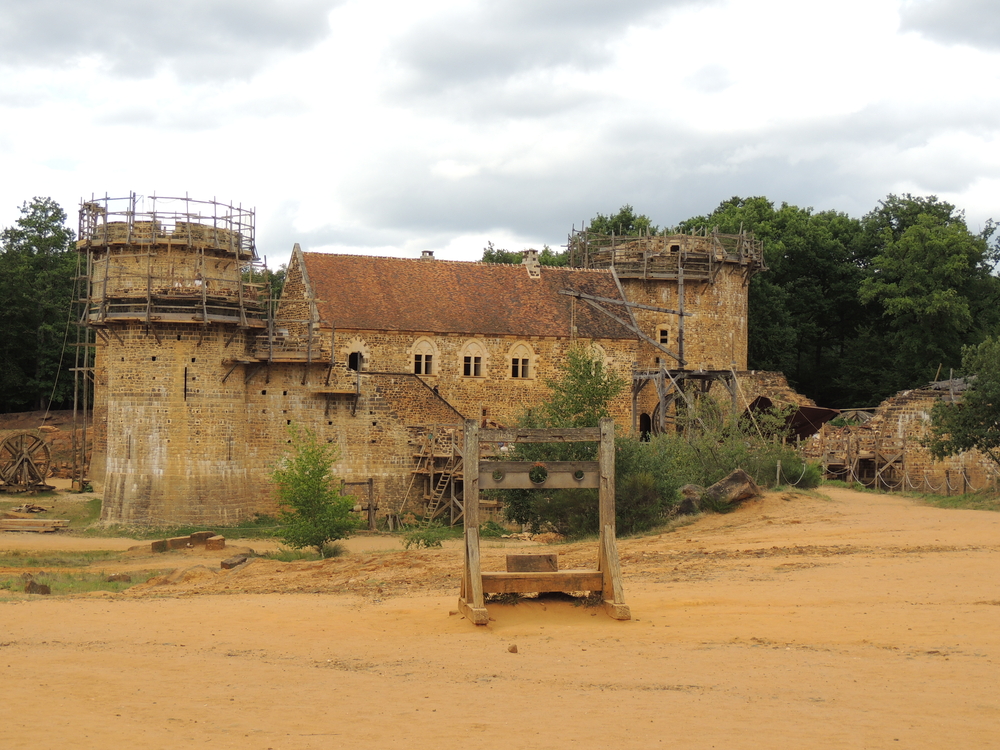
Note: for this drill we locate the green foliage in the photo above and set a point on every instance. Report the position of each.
(969, 501)
(581, 396)
(37, 269)
(804, 309)
(973, 422)
(258, 527)
(430, 536)
(492, 530)
(547, 257)
(296, 555)
(68, 583)
(854, 310)
(273, 281)
(624, 223)
(313, 510)
(931, 283)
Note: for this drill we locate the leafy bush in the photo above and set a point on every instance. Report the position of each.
(430, 536)
(492, 530)
(313, 510)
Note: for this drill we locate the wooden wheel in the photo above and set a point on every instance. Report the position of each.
(24, 460)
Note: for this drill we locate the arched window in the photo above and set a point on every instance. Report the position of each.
(424, 358)
(355, 361)
(473, 360)
(522, 361)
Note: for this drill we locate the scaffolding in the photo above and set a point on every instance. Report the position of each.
(164, 259)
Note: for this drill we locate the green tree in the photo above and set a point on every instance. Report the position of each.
(804, 310)
(579, 397)
(974, 421)
(547, 257)
(313, 510)
(582, 394)
(624, 223)
(38, 266)
(931, 286)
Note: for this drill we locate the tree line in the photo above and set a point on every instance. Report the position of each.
(851, 310)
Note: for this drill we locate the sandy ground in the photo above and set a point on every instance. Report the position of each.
(857, 621)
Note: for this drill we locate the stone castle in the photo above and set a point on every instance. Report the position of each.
(199, 374)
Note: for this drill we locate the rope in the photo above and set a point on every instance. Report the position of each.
(62, 354)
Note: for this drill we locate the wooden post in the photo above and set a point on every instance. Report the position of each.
(471, 602)
(606, 460)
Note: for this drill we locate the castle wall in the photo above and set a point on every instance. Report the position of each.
(176, 437)
(899, 426)
(715, 332)
(494, 395)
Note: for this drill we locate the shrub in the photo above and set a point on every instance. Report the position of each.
(313, 510)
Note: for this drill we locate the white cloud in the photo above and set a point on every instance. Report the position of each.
(390, 127)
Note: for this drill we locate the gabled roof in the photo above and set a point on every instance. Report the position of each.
(358, 292)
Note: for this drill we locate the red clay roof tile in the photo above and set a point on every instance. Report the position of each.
(361, 292)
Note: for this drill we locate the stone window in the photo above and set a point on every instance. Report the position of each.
(357, 354)
(663, 335)
(473, 360)
(424, 358)
(521, 365)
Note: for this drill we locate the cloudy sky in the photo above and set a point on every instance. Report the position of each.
(389, 127)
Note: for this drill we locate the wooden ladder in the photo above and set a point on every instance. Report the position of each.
(437, 495)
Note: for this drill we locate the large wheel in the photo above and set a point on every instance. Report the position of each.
(24, 460)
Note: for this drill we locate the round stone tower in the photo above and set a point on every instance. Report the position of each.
(173, 314)
(689, 295)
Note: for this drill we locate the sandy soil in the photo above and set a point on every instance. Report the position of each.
(857, 621)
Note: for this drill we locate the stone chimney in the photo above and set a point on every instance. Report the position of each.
(426, 255)
(531, 263)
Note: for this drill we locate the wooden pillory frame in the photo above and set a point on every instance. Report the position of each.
(598, 474)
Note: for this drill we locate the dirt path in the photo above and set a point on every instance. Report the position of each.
(858, 621)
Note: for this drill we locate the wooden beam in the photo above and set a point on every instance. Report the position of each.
(624, 303)
(636, 331)
(526, 583)
(548, 435)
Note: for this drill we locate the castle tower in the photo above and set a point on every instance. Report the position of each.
(170, 303)
(690, 296)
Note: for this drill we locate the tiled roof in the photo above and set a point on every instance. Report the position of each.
(361, 292)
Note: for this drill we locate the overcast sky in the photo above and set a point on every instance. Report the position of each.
(390, 127)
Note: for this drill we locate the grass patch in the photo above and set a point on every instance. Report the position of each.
(258, 527)
(432, 536)
(36, 559)
(66, 584)
(285, 554)
(968, 501)
(80, 513)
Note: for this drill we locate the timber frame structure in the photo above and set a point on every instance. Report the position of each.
(679, 258)
(599, 474)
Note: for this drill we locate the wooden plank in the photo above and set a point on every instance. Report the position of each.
(526, 583)
(545, 563)
(526, 466)
(548, 435)
(516, 475)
